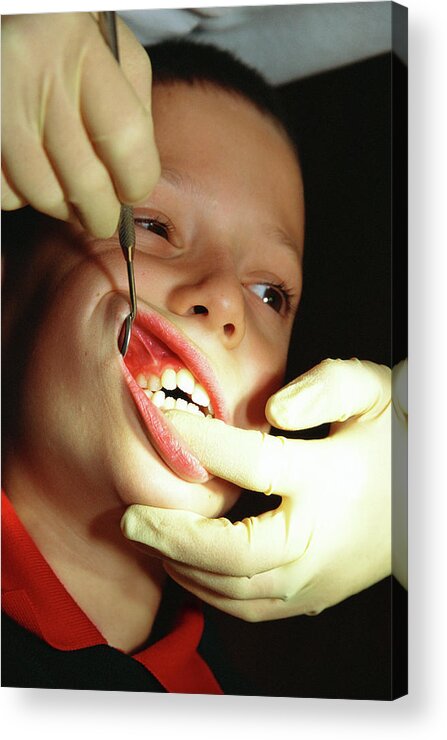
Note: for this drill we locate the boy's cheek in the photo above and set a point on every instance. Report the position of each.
(250, 410)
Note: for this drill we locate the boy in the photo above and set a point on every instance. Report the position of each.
(218, 278)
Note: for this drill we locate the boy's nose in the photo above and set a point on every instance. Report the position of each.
(216, 300)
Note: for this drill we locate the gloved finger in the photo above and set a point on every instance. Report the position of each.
(11, 200)
(250, 610)
(84, 178)
(253, 460)
(253, 545)
(400, 390)
(135, 64)
(28, 167)
(333, 391)
(120, 124)
(282, 582)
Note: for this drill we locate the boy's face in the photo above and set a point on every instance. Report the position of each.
(218, 248)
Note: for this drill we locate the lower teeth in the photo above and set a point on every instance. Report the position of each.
(167, 403)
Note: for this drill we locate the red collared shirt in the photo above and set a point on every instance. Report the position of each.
(33, 596)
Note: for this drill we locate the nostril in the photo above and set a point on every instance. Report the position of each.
(200, 309)
(229, 330)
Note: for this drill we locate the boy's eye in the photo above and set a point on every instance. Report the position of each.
(156, 226)
(275, 296)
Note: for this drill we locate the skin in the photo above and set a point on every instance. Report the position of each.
(232, 190)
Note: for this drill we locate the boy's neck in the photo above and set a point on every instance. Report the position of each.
(116, 584)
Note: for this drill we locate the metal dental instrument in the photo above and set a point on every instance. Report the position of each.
(126, 226)
(126, 230)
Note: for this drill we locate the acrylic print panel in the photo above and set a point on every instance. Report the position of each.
(301, 593)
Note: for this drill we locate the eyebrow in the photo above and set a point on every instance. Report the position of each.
(179, 179)
(282, 239)
(183, 180)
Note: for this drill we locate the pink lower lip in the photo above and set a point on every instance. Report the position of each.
(173, 451)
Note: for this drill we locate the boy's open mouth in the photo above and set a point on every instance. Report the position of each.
(164, 371)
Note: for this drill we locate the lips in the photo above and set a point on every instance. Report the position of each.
(156, 345)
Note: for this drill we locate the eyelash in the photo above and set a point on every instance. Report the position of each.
(286, 293)
(146, 223)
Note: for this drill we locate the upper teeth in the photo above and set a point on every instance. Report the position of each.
(169, 381)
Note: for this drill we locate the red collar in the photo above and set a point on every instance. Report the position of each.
(34, 597)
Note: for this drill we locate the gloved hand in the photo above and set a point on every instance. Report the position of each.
(77, 133)
(331, 535)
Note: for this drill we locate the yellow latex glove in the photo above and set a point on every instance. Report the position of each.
(331, 535)
(77, 133)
